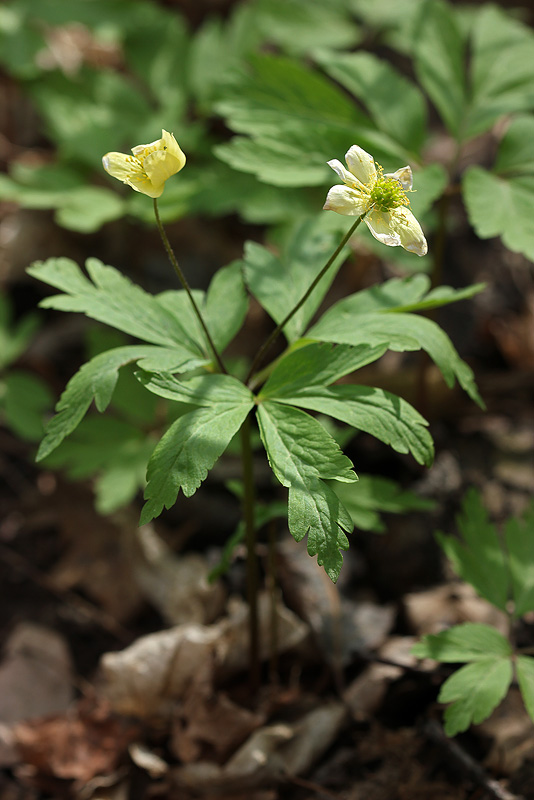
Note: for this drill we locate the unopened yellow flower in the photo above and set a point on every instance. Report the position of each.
(381, 197)
(149, 167)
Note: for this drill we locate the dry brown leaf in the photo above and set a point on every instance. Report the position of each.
(269, 755)
(450, 604)
(148, 677)
(78, 746)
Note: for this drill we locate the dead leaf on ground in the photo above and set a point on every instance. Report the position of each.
(177, 585)
(438, 608)
(211, 719)
(270, 755)
(149, 676)
(35, 674)
(79, 746)
(341, 626)
(512, 732)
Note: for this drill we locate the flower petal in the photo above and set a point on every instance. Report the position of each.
(411, 235)
(403, 176)
(361, 164)
(142, 183)
(347, 201)
(347, 177)
(120, 166)
(379, 223)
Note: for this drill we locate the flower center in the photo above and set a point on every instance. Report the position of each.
(387, 193)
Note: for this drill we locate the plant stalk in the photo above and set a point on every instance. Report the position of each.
(274, 335)
(185, 285)
(252, 557)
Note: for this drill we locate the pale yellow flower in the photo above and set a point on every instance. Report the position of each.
(382, 198)
(149, 167)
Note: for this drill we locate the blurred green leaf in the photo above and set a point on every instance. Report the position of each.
(524, 666)
(502, 69)
(501, 202)
(395, 104)
(520, 559)
(474, 691)
(25, 400)
(374, 495)
(440, 61)
(471, 641)
(478, 556)
(279, 281)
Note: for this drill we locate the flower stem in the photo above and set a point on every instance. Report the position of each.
(185, 285)
(252, 557)
(274, 335)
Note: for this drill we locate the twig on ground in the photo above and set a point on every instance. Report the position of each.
(433, 731)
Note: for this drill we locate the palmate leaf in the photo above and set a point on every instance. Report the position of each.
(501, 202)
(296, 117)
(502, 69)
(301, 453)
(478, 557)
(279, 281)
(191, 446)
(382, 414)
(474, 691)
(96, 380)
(395, 104)
(112, 298)
(376, 317)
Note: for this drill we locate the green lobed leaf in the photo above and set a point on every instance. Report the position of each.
(395, 104)
(97, 379)
(478, 557)
(502, 69)
(188, 450)
(471, 641)
(226, 304)
(400, 331)
(374, 495)
(297, 119)
(501, 202)
(201, 390)
(316, 364)
(279, 281)
(301, 453)
(439, 52)
(110, 297)
(474, 691)
(520, 560)
(524, 666)
(382, 414)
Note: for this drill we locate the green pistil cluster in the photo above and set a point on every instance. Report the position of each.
(387, 193)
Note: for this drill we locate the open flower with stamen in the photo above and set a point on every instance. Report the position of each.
(150, 165)
(381, 197)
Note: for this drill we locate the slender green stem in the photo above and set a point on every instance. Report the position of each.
(274, 335)
(252, 557)
(183, 281)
